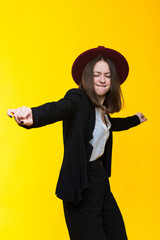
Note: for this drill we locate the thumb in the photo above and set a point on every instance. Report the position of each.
(26, 122)
(11, 112)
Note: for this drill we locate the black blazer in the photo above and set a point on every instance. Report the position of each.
(78, 115)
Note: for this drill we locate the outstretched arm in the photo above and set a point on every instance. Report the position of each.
(120, 124)
(47, 113)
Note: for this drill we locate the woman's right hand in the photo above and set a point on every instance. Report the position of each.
(22, 115)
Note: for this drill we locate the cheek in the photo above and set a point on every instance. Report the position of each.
(109, 82)
(94, 81)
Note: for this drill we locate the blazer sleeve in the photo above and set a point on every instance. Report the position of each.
(120, 124)
(52, 112)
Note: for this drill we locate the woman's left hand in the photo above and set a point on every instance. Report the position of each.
(141, 117)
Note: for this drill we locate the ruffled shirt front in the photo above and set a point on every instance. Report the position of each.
(100, 135)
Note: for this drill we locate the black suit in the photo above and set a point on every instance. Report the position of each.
(90, 209)
(78, 115)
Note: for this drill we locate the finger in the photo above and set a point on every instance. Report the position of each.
(26, 117)
(145, 119)
(16, 115)
(21, 113)
(27, 113)
(26, 122)
(10, 112)
(24, 113)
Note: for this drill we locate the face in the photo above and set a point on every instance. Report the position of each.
(101, 79)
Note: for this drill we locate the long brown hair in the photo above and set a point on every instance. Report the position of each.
(114, 98)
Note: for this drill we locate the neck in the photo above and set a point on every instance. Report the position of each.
(101, 100)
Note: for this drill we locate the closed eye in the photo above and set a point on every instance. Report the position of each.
(108, 76)
(96, 75)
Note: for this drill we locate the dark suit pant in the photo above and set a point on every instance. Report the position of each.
(97, 217)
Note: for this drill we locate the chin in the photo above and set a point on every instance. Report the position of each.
(101, 94)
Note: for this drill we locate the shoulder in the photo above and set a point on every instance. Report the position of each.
(76, 91)
(77, 95)
(80, 99)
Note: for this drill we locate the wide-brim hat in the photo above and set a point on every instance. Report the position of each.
(117, 58)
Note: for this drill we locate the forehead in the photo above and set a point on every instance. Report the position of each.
(101, 65)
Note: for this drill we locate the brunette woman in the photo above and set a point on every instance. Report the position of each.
(91, 212)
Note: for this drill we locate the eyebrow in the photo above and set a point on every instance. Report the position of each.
(100, 72)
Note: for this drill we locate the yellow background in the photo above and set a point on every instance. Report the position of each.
(39, 41)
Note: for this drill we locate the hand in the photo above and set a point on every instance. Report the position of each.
(141, 117)
(22, 115)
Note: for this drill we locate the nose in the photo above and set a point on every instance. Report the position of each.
(102, 79)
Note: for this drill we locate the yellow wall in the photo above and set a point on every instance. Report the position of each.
(39, 41)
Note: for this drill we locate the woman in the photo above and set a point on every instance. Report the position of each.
(90, 209)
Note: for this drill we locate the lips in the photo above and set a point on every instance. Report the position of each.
(101, 86)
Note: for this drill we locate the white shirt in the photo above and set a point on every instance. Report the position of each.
(100, 135)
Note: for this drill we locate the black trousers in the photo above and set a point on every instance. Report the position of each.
(97, 217)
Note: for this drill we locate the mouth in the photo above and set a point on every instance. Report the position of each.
(101, 86)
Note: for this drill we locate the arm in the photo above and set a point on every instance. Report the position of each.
(48, 113)
(53, 112)
(120, 124)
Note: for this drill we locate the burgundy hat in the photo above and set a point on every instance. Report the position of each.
(118, 59)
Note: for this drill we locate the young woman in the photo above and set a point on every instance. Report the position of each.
(90, 209)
